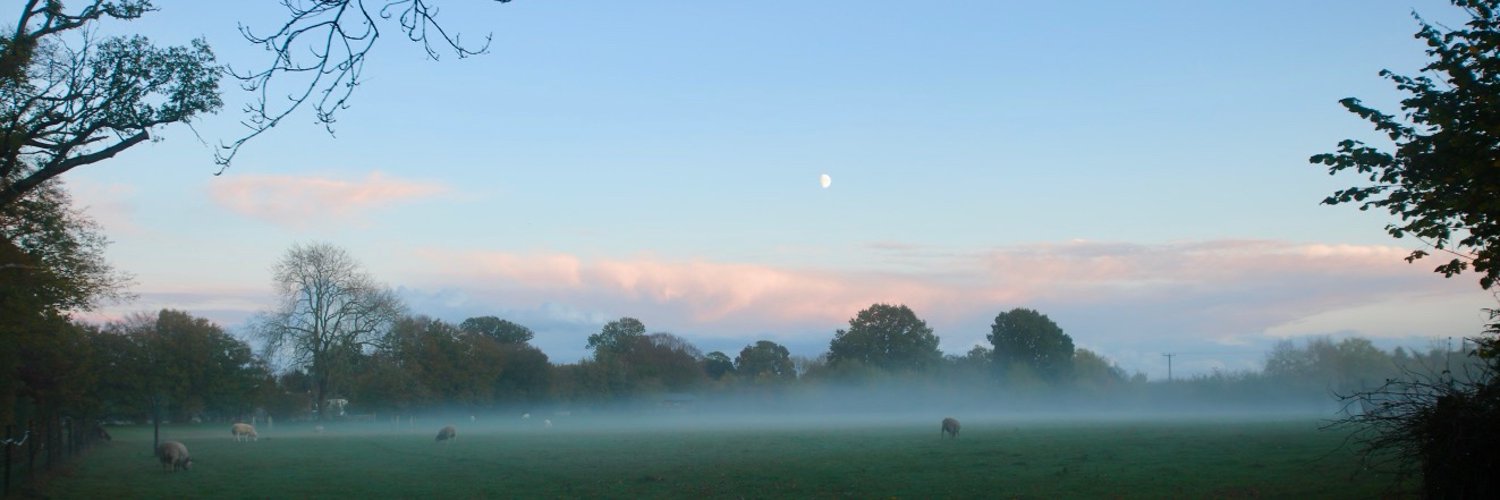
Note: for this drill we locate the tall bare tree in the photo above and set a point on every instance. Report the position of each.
(330, 310)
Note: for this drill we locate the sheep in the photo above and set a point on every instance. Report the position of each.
(172, 455)
(317, 429)
(100, 433)
(525, 416)
(243, 431)
(547, 423)
(447, 433)
(950, 427)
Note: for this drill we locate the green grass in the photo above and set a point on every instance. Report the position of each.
(999, 458)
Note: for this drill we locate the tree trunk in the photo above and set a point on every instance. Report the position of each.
(322, 388)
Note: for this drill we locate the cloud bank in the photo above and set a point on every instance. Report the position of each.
(300, 201)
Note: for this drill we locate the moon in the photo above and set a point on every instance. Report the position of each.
(825, 180)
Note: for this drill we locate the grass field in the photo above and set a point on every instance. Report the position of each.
(580, 457)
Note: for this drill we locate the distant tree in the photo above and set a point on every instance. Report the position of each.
(66, 105)
(717, 364)
(501, 330)
(766, 360)
(1440, 179)
(1025, 337)
(662, 361)
(330, 311)
(886, 337)
(194, 365)
(1322, 365)
(1094, 372)
(617, 337)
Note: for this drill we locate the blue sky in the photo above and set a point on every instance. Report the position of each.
(1137, 171)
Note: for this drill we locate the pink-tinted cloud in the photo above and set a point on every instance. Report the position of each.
(302, 200)
(1215, 289)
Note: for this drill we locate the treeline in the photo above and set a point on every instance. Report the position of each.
(184, 368)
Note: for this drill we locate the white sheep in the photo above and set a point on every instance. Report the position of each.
(547, 423)
(950, 427)
(447, 433)
(317, 429)
(244, 431)
(172, 455)
(525, 416)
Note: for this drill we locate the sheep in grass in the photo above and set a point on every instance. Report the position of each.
(950, 427)
(242, 432)
(317, 429)
(547, 424)
(447, 434)
(172, 455)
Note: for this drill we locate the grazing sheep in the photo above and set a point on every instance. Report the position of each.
(525, 416)
(950, 427)
(318, 429)
(172, 455)
(100, 433)
(244, 431)
(447, 433)
(547, 424)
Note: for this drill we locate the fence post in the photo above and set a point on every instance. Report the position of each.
(49, 446)
(9, 431)
(31, 440)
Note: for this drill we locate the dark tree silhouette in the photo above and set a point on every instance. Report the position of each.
(1441, 181)
(63, 106)
(888, 337)
(1028, 338)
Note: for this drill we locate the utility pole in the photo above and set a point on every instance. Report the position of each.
(1169, 366)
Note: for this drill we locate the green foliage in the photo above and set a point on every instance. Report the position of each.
(188, 364)
(617, 337)
(1027, 338)
(765, 361)
(500, 330)
(717, 364)
(55, 255)
(1440, 179)
(1095, 373)
(51, 264)
(66, 105)
(886, 337)
(1322, 365)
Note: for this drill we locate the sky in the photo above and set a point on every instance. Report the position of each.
(1135, 170)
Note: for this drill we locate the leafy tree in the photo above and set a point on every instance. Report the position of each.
(617, 337)
(501, 330)
(51, 264)
(717, 364)
(661, 361)
(887, 337)
(1095, 372)
(197, 368)
(1027, 338)
(766, 360)
(1439, 178)
(330, 311)
(63, 106)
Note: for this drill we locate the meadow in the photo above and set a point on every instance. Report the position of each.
(682, 456)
